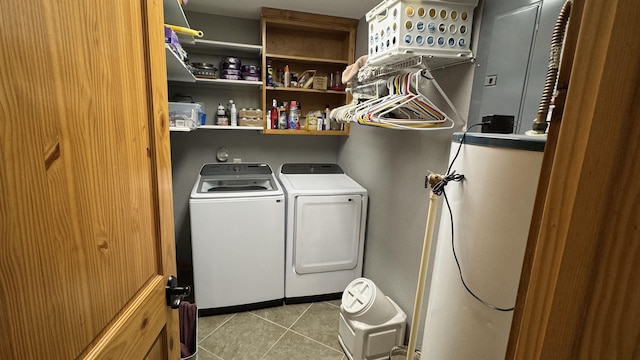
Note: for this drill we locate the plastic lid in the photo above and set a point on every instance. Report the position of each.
(358, 295)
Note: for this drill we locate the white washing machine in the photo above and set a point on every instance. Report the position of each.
(237, 238)
(325, 228)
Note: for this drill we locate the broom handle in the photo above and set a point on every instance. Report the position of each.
(424, 262)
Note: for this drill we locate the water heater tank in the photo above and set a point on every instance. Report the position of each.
(492, 210)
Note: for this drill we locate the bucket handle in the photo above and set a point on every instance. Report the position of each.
(382, 15)
(380, 12)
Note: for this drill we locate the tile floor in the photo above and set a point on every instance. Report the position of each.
(291, 332)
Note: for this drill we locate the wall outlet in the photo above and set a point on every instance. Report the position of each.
(491, 80)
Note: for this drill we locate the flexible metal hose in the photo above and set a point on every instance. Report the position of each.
(557, 39)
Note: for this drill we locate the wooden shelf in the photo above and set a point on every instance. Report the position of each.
(303, 42)
(176, 70)
(304, 59)
(307, 132)
(294, 89)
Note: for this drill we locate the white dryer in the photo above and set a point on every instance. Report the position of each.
(326, 214)
(237, 238)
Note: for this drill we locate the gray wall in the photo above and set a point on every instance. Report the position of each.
(538, 63)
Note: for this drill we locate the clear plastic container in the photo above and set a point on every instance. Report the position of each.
(184, 115)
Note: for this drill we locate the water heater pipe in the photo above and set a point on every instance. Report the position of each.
(557, 40)
(433, 179)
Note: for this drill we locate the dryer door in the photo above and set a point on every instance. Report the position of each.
(326, 233)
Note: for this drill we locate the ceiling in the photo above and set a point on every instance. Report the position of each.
(250, 9)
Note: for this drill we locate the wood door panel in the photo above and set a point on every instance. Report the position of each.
(137, 327)
(157, 351)
(83, 250)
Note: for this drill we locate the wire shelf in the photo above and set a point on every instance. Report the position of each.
(370, 83)
(428, 62)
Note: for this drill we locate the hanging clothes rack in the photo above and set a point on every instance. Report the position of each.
(390, 96)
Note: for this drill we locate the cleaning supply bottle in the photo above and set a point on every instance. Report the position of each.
(234, 115)
(294, 116)
(282, 116)
(221, 116)
(327, 121)
(229, 108)
(274, 115)
(287, 76)
(269, 75)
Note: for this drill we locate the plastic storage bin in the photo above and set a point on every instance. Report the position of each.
(370, 324)
(184, 115)
(407, 28)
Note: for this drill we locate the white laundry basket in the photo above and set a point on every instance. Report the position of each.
(371, 324)
(399, 28)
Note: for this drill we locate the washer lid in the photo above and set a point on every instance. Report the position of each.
(322, 182)
(358, 295)
(236, 169)
(235, 180)
(305, 168)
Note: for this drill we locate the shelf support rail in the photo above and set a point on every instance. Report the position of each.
(427, 73)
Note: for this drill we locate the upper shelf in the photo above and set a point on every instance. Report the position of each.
(218, 46)
(176, 70)
(394, 64)
(306, 59)
(298, 89)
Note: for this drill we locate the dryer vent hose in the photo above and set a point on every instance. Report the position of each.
(557, 40)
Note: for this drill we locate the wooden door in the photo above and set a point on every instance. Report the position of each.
(86, 219)
(580, 290)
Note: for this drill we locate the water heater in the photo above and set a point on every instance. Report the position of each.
(492, 210)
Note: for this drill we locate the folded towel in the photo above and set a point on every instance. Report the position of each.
(352, 69)
(188, 314)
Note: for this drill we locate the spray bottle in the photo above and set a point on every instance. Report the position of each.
(287, 76)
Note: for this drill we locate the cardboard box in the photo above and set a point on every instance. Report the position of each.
(250, 122)
(320, 82)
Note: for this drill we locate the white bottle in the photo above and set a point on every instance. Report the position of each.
(234, 115)
(327, 119)
(287, 76)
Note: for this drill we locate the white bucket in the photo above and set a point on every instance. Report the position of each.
(363, 301)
